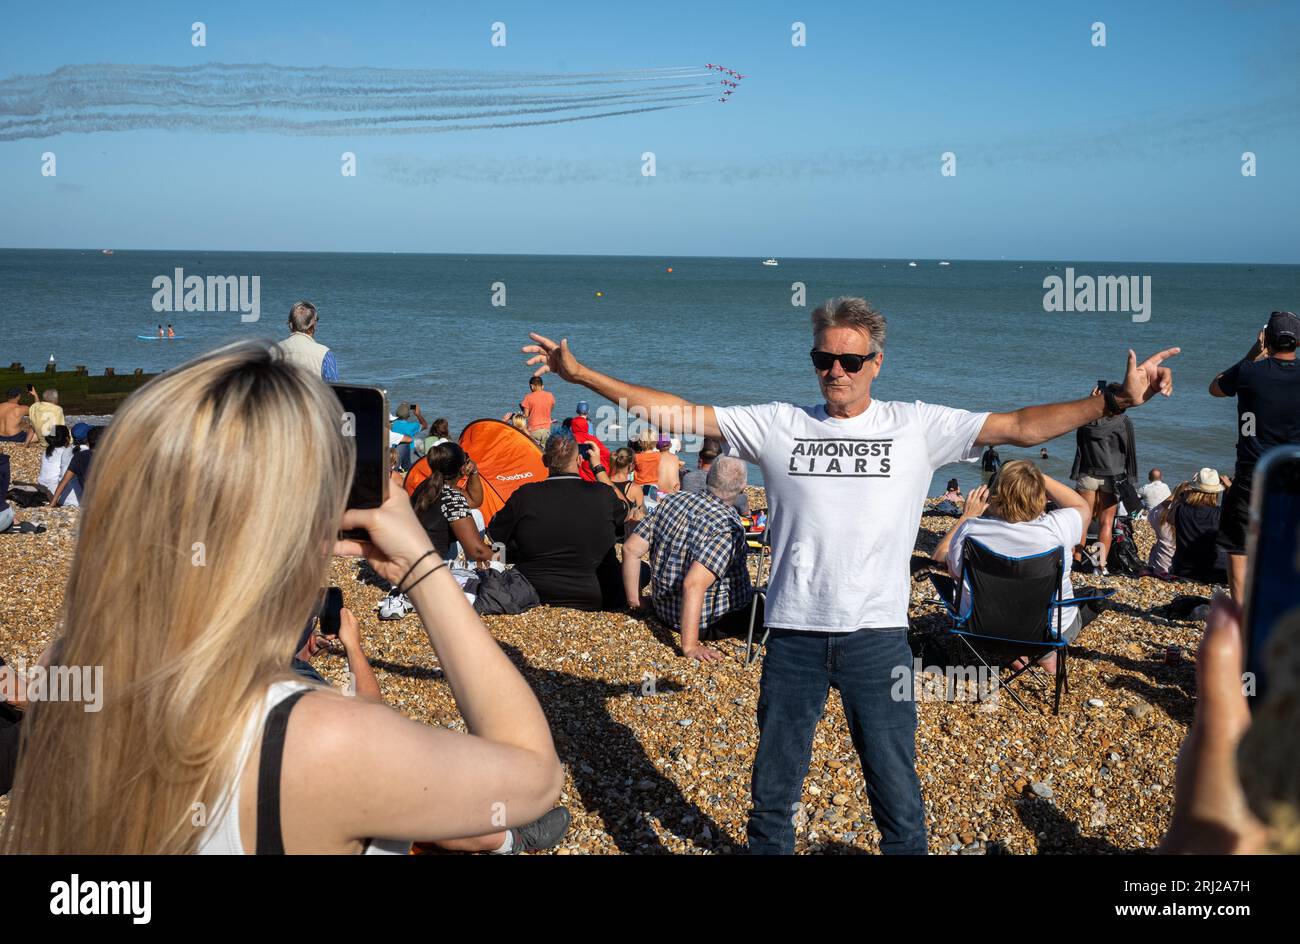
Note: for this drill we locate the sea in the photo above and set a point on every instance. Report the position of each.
(445, 331)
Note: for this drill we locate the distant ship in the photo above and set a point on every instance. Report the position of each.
(770, 262)
(945, 263)
(107, 252)
(912, 264)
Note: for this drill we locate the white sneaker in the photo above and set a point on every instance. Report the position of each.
(394, 607)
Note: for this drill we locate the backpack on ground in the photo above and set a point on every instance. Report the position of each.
(1124, 557)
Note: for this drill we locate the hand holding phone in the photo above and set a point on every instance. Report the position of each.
(1273, 558)
(364, 417)
(331, 607)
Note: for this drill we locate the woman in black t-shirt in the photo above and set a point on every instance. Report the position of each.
(1195, 520)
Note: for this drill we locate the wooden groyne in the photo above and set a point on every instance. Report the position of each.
(80, 391)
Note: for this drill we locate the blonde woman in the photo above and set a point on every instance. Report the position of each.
(236, 517)
(1019, 525)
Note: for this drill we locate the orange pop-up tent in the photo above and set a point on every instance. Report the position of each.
(506, 459)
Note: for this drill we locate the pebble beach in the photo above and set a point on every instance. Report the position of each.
(658, 749)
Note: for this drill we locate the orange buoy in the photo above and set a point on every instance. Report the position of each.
(670, 268)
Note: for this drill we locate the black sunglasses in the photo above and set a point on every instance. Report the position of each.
(852, 363)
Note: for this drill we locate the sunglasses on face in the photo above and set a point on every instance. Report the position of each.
(852, 363)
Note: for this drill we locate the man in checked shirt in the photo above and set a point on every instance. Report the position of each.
(698, 579)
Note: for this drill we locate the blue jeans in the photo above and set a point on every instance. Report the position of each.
(799, 670)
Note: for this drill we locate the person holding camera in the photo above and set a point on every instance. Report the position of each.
(1266, 383)
(210, 742)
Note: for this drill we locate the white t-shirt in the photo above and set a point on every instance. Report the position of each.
(845, 498)
(1060, 528)
(52, 468)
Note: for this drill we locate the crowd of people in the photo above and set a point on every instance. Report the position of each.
(597, 533)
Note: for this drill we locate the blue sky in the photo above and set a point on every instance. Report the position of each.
(1130, 152)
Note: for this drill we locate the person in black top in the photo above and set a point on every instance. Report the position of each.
(74, 479)
(1105, 456)
(560, 532)
(990, 462)
(443, 509)
(1266, 384)
(1195, 518)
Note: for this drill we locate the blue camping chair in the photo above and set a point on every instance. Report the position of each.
(1015, 609)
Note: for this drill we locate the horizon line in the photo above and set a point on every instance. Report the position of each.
(639, 255)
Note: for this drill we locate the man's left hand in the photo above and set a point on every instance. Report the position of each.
(1143, 381)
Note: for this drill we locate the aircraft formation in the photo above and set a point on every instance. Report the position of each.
(730, 86)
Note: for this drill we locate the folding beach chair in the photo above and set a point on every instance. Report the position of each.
(1015, 610)
(760, 591)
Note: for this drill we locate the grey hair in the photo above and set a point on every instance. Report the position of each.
(847, 312)
(50, 396)
(727, 477)
(302, 317)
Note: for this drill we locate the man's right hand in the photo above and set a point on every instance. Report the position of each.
(553, 357)
(703, 653)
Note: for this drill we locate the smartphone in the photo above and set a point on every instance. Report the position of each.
(364, 416)
(329, 611)
(1101, 386)
(1273, 557)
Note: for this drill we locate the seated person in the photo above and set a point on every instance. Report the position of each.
(622, 476)
(15, 427)
(468, 481)
(443, 509)
(45, 413)
(439, 432)
(699, 582)
(1161, 500)
(695, 480)
(71, 489)
(1195, 520)
(580, 429)
(560, 532)
(670, 467)
(1019, 525)
(954, 492)
(54, 463)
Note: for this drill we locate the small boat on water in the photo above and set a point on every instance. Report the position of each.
(107, 252)
(770, 262)
(911, 265)
(945, 263)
